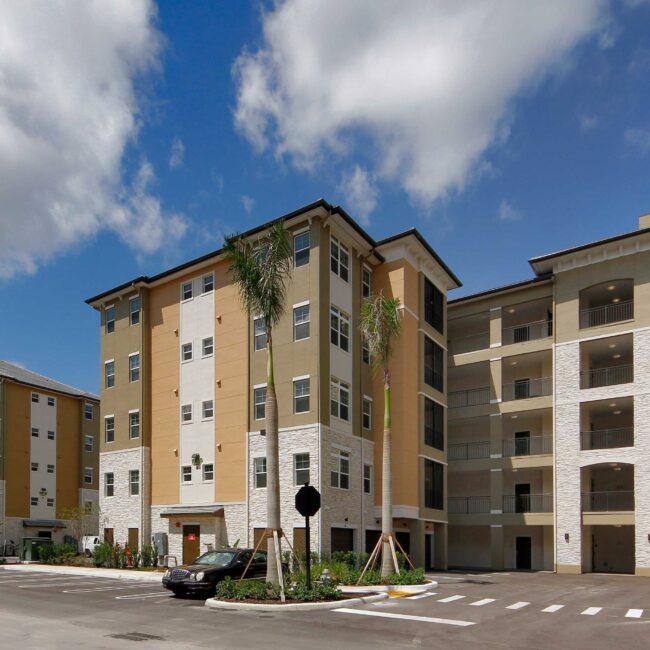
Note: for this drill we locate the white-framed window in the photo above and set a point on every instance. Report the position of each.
(208, 283)
(134, 367)
(50, 469)
(207, 346)
(134, 482)
(34, 467)
(300, 469)
(109, 428)
(340, 473)
(88, 475)
(367, 478)
(186, 413)
(339, 328)
(109, 374)
(50, 435)
(301, 395)
(208, 472)
(110, 320)
(134, 310)
(88, 411)
(50, 503)
(51, 401)
(365, 350)
(301, 249)
(259, 334)
(301, 322)
(134, 424)
(208, 409)
(186, 473)
(186, 352)
(35, 398)
(89, 443)
(366, 412)
(366, 282)
(259, 472)
(259, 402)
(339, 259)
(340, 399)
(35, 432)
(34, 501)
(186, 290)
(109, 484)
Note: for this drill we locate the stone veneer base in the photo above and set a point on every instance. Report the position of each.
(213, 603)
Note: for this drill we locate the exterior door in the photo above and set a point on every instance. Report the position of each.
(191, 543)
(133, 540)
(522, 388)
(342, 539)
(522, 443)
(108, 536)
(522, 497)
(523, 553)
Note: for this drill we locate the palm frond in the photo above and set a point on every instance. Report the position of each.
(380, 323)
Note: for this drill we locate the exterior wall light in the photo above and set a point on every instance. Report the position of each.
(566, 537)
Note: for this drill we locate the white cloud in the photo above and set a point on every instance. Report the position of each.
(360, 193)
(177, 153)
(507, 212)
(428, 86)
(638, 138)
(248, 203)
(68, 109)
(587, 122)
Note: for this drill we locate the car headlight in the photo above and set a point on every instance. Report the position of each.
(199, 576)
(168, 573)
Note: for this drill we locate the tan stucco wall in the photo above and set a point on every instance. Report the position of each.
(17, 446)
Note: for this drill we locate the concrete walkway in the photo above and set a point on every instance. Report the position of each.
(117, 574)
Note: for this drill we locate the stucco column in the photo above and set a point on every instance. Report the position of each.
(416, 530)
(496, 382)
(495, 327)
(496, 546)
(440, 547)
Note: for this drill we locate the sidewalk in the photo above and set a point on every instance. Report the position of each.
(116, 574)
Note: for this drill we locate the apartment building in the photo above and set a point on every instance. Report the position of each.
(49, 456)
(549, 405)
(183, 371)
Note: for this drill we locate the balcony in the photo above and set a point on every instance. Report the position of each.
(471, 397)
(471, 343)
(528, 446)
(607, 438)
(469, 450)
(607, 423)
(606, 303)
(469, 333)
(540, 329)
(526, 388)
(469, 505)
(513, 503)
(613, 501)
(606, 314)
(611, 376)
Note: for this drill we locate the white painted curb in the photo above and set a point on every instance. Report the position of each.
(213, 603)
(116, 574)
(395, 589)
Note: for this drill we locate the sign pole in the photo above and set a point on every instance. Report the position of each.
(308, 550)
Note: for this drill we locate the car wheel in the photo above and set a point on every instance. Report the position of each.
(88, 553)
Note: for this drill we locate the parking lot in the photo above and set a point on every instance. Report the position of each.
(467, 610)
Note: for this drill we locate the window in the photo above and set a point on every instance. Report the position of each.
(88, 507)
(434, 424)
(433, 484)
(300, 469)
(208, 409)
(433, 306)
(339, 399)
(134, 482)
(35, 398)
(259, 472)
(134, 310)
(50, 435)
(50, 469)
(88, 475)
(365, 350)
(109, 373)
(207, 346)
(134, 425)
(50, 503)
(35, 432)
(208, 283)
(34, 501)
(186, 413)
(259, 334)
(340, 474)
(259, 401)
(367, 478)
(88, 411)
(433, 355)
(186, 290)
(301, 395)
(134, 367)
(301, 322)
(339, 259)
(301, 249)
(366, 278)
(88, 443)
(208, 472)
(51, 401)
(339, 329)
(110, 320)
(34, 467)
(109, 484)
(186, 352)
(366, 413)
(109, 429)
(186, 473)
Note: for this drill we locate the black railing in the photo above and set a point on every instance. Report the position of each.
(525, 388)
(469, 450)
(534, 446)
(527, 503)
(607, 438)
(469, 505)
(618, 501)
(611, 376)
(540, 329)
(473, 397)
(606, 314)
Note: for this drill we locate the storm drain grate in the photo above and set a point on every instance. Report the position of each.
(136, 636)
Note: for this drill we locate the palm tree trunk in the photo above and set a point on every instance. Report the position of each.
(387, 567)
(272, 465)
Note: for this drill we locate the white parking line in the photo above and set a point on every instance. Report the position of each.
(450, 599)
(154, 594)
(484, 601)
(81, 591)
(424, 595)
(518, 605)
(551, 609)
(404, 617)
(634, 613)
(591, 611)
(37, 585)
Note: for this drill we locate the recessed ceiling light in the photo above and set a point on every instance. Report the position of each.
(611, 287)
(616, 300)
(612, 346)
(616, 356)
(511, 310)
(617, 412)
(514, 417)
(513, 363)
(613, 404)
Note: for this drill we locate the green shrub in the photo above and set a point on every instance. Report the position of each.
(406, 577)
(58, 554)
(246, 590)
(318, 591)
(148, 555)
(103, 555)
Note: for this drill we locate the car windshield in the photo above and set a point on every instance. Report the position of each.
(215, 558)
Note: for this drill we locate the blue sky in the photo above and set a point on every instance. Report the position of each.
(500, 133)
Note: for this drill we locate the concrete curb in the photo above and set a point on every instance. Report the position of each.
(115, 574)
(213, 603)
(393, 589)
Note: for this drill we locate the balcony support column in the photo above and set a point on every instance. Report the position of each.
(496, 547)
(496, 383)
(495, 327)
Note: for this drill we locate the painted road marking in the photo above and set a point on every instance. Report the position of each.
(551, 609)
(591, 611)
(480, 603)
(54, 585)
(450, 599)
(424, 595)
(154, 594)
(519, 605)
(634, 613)
(80, 591)
(404, 617)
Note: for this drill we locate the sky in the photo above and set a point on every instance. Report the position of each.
(135, 134)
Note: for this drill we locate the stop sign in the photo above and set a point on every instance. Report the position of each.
(307, 501)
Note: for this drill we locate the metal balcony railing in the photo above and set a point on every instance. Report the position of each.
(525, 388)
(473, 397)
(607, 438)
(469, 450)
(540, 329)
(469, 505)
(606, 314)
(607, 376)
(527, 503)
(469, 343)
(534, 446)
(618, 501)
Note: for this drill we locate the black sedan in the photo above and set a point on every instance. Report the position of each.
(202, 575)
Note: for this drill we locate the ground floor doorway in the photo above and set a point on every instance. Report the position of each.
(191, 542)
(523, 553)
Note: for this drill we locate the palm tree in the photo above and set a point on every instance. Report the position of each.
(260, 270)
(380, 324)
